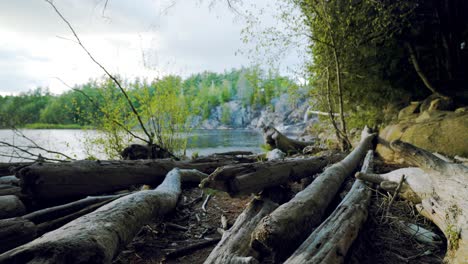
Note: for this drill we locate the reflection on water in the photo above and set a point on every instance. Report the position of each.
(71, 142)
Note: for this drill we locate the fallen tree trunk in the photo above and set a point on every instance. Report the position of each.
(46, 181)
(15, 232)
(234, 247)
(289, 225)
(11, 206)
(55, 212)
(275, 139)
(42, 221)
(98, 236)
(330, 242)
(441, 188)
(243, 179)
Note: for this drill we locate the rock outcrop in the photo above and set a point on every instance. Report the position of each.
(429, 126)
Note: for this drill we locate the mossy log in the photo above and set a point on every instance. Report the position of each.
(288, 226)
(241, 179)
(330, 242)
(97, 237)
(52, 181)
(441, 188)
(275, 139)
(234, 247)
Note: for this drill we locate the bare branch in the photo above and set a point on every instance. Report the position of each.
(112, 77)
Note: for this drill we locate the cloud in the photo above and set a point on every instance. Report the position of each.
(132, 39)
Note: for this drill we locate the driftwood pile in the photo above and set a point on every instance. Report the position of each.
(57, 213)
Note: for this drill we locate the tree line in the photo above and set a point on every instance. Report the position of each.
(89, 103)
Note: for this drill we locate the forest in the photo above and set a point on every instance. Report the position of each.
(198, 94)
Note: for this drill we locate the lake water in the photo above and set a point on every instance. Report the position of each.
(71, 142)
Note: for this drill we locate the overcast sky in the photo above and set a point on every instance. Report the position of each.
(143, 38)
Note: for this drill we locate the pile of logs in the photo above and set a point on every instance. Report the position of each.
(57, 213)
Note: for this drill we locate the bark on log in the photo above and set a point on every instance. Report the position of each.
(11, 206)
(442, 190)
(234, 247)
(98, 236)
(15, 232)
(45, 181)
(42, 221)
(330, 242)
(243, 179)
(277, 140)
(289, 225)
(55, 212)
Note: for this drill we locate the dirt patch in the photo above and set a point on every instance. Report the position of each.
(188, 225)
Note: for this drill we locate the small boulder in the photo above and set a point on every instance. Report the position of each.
(409, 110)
(275, 154)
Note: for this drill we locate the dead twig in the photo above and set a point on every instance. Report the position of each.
(187, 249)
(397, 190)
(206, 202)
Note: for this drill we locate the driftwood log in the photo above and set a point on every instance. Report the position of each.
(98, 236)
(15, 232)
(441, 188)
(234, 247)
(11, 206)
(330, 242)
(240, 179)
(39, 222)
(288, 226)
(275, 139)
(46, 181)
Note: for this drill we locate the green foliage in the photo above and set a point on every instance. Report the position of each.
(225, 115)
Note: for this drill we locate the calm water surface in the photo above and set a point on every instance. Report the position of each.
(72, 142)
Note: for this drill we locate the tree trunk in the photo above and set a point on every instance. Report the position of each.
(277, 140)
(15, 232)
(46, 181)
(98, 236)
(330, 242)
(288, 226)
(11, 206)
(441, 188)
(243, 179)
(234, 247)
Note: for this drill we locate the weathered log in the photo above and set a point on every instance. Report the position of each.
(15, 232)
(7, 189)
(55, 212)
(11, 206)
(98, 236)
(42, 221)
(9, 180)
(240, 179)
(45, 181)
(275, 139)
(290, 224)
(441, 188)
(234, 247)
(330, 242)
